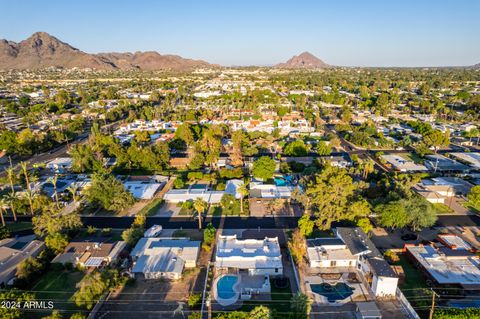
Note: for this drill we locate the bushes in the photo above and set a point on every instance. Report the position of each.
(230, 173)
(179, 183)
(194, 300)
(391, 256)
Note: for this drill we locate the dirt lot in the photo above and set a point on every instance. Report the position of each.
(154, 298)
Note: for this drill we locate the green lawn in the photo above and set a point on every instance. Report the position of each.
(442, 209)
(152, 207)
(13, 227)
(280, 302)
(59, 287)
(413, 277)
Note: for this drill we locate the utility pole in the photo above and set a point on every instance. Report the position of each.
(432, 309)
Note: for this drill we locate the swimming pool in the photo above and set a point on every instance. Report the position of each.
(339, 291)
(283, 181)
(225, 287)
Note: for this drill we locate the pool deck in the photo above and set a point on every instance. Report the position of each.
(360, 292)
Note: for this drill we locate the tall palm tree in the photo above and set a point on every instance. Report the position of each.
(54, 180)
(243, 191)
(73, 189)
(200, 205)
(2, 210)
(30, 196)
(10, 199)
(368, 168)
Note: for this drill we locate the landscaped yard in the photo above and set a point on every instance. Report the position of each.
(280, 302)
(442, 209)
(59, 287)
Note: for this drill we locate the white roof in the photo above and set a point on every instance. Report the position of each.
(248, 253)
(455, 242)
(94, 262)
(403, 164)
(141, 190)
(60, 161)
(183, 195)
(446, 270)
(164, 254)
(232, 186)
(472, 158)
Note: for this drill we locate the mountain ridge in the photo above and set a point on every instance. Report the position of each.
(42, 50)
(304, 60)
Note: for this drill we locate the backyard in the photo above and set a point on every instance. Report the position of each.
(59, 287)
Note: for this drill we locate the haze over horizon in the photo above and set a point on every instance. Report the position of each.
(344, 33)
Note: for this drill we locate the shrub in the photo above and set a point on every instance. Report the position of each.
(194, 300)
(391, 256)
(179, 183)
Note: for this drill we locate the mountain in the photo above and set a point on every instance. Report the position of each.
(305, 60)
(476, 66)
(42, 50)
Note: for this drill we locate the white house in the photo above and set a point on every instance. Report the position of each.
(352, 248)
(232, 187)
(192, 193)
(253, 256)
(60, 164)
(164, 257)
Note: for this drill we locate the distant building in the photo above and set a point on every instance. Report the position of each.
(401, 164)
(472, 159)
(440, 163)
(156, 258)
(192, 193)
(60, 164)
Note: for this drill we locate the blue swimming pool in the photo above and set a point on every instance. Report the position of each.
(225, 286)
(340, 291)
(283, 181)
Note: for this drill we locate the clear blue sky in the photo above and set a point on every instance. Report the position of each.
(244, 32)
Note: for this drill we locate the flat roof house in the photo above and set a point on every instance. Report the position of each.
(60, 164)
(253, 256)
(440, 163)
(94, 253)
(403, 165)
(164, 257)
(12, 252)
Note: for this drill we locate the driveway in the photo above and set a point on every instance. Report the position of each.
(168, 210)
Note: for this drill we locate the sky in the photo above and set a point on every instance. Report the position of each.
(261, 32)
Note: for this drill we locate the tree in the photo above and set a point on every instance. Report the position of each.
(263, 168)
(194, 300)
(73, 189)
(83, 158)
(436, 139)
(209, 236)
(17, 296)
(200, 205)
(298, 247)
(323, 149)
(55, 315)
(53, 180)
(243, 191)
(474, 197)
(332, 195)
(30, 196)
(91, 288)
(296, 148)
(392, 215)
(3, 204)
(239, 141)
(421, 213)
(78, 315)
(260, 312)
(301, 306)
(28, 269)
(391, 256)
(305, 225)
(365, 224)
(12, 197)
(109, 193)
(56, 242)
(50, 221)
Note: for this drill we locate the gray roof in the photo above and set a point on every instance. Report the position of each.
(381, 268)
(357, 241)
(327, 241)
(368, 309)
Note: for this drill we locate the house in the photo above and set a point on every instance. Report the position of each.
(13, 251)
(446, 266)
(472, 159)
(439, 189)
(341, 161)
(351, 248)
(90, 253)
(270, 191)
(251, 256)
(60, 164)
(144, 187)
(156, 258)
(440, 163)
(192, 193)
(402, 164)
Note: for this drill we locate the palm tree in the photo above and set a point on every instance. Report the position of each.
(243, 191)
(301, 305)
(368, 168)
(2, 210)
(30, 196)
(200, 205)
(10, 199)
(53, 180)
(73, 189)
